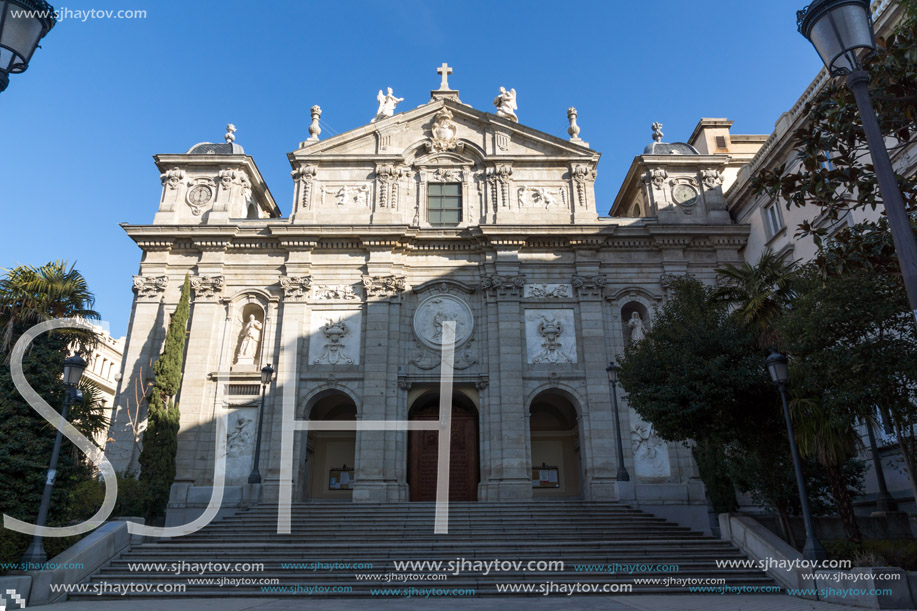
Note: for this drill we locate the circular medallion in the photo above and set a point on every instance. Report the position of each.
(434, 311)
(686, 195)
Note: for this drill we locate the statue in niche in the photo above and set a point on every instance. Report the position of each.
(637, 330)
(387, 103)
(506, 104)
(251, 340)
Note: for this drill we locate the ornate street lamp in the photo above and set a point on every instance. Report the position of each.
(73, 371)
(267, 374)
(780, 375)
(22, 24)
(612, 370)
(839, 29)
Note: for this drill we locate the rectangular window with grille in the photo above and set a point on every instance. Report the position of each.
(444, 204)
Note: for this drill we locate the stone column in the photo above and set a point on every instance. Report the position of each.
(599, 440)
(510, 478)
(376, 471)
(198, 391)
(295, 282)
(144, 342)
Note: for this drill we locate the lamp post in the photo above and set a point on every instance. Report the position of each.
(267, 374)
(612, 370)
(838, 29)
(885, 502)
(73, 371)
(777, 367)
(22, 24)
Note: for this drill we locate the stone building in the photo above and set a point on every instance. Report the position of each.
(103, 370)
(443, 212)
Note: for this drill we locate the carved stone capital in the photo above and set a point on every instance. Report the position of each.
(150, 287)
(582, 173)
(498, 286)
(589, 287)
(207, 288)
(383, 287)
(172, 178)
(295, 288)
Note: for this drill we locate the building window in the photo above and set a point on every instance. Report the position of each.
(444, 204)
(773, 223)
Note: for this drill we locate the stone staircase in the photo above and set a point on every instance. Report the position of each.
(575, 532)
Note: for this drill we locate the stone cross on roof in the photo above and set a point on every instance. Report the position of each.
(445, 71)
(444, 90)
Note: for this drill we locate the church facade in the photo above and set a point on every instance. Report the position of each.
(443, 212)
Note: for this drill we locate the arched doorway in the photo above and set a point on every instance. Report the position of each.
(554, 430)
(423, 450)
(330, 455)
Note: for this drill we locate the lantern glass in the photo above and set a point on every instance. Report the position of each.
(612, 370)
(23, 23)
(777, 368)
(73, 370)
(838, 29)
(267, 374)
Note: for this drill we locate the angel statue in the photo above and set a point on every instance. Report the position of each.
(506, 104)
(387, 103)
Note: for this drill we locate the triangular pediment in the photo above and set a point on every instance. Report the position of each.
(409, 135)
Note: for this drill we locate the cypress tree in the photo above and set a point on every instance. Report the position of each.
(160, 440)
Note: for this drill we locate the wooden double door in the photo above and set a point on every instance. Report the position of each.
(423, 450)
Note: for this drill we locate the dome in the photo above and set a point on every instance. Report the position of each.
(211, 148)
(675, 148)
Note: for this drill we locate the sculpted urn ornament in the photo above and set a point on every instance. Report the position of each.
(387, 103)
(506, 104)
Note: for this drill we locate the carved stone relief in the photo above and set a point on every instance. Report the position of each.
(589, 286)
(334, 292)
(541, 197)
(335, 337)
(550, 336)
(548, 291)
(346, 196)
(240, 440)
(434, 311)
(444, 133)
(380, 287)
(651, 456)
(503, 286)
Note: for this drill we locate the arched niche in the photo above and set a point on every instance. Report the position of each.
(329, 457)
(630, 328)
(555, 445)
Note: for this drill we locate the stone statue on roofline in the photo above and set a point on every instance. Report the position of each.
(506, 104)
(387, 103)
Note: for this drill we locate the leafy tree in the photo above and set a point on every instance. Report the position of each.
(760, 293)
(855, 353)
(160, 440)
(848, 182)
(698, 376)
(29, 295)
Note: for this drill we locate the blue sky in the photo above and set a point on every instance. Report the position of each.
(78, 129)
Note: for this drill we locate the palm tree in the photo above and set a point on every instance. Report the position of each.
(30, 294)
(759, 293)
